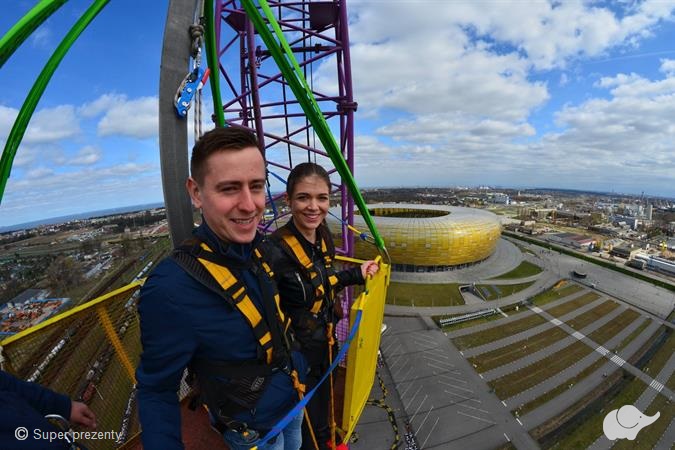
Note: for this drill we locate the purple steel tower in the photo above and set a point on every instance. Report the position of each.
(256, 96)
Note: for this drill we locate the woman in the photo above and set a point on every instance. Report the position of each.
(302, 253)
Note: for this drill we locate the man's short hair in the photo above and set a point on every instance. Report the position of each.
(220, 139)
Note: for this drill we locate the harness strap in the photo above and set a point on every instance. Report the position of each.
(237, 291)
(296, 250)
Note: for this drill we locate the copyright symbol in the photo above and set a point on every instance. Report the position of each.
(21, 433)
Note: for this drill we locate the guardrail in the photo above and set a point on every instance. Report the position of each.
(88, 353)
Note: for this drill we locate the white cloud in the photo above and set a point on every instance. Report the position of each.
(52, 194)
(101, 105)
(52, 124)
(668, 66)
(39, 172)
(87, 155)
(136, 118)
(7, 118)
(42, 37)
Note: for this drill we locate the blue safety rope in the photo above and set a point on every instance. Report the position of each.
(363, 236)
(278, 428)
(274, 207)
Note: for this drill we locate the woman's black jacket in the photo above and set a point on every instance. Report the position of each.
(297, 293)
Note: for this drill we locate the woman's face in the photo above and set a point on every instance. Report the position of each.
(309, 204)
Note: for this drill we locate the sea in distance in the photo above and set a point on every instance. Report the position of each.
(85, 215)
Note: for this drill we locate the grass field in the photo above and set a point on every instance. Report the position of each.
(591, 429)
(632, 336)
(562, 387)
(555, 294)
(504, 355)
(569, 306)
(529, 376)
(498, 332)
(414, 294)
(497, 291)
(587, 318)
(525, 269)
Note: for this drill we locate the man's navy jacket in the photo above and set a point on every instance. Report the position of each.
(24, 404)
(182, 319)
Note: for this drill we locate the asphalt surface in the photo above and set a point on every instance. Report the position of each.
(444, 403)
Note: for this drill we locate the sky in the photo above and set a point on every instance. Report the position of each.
(571, 94)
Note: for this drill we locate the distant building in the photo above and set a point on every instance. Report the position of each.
(572, 239)
(629, 221)
(500, 198)
(659, 264)
(625, 252)
(648, 212)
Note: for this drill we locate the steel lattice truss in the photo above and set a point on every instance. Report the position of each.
(255, 95)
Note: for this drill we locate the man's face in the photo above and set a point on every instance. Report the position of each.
(232, 194)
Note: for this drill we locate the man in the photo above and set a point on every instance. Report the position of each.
(211, 307)
(24, 407)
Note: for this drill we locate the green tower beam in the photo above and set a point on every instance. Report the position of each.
(289, 67)
(29, 105)
(25, 26)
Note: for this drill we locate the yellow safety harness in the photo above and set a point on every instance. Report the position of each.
(236, 290)
(291, 244)
(273, 336)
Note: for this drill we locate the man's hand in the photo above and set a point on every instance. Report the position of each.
(81, 414)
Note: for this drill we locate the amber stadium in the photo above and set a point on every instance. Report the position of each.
(428, 238)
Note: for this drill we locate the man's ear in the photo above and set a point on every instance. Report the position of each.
(287, 199)
(193, 190)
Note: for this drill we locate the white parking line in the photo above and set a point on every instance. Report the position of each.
(481, 376)
(413, 398)
(406, 390)
(504, 403)
(453, 379)
(440, 355)
(456, 387)
(425, 419)
(521, 423)
(458, 395)
(507, 438)
(436, 367)
(407, 372)
(477, 418)
(432, 430)
(418, 408)
(464, 405)
(438, 362)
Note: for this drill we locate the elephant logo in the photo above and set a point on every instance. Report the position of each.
(626, 422)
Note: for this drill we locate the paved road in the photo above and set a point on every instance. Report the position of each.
(447, 403)
(641, 294)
